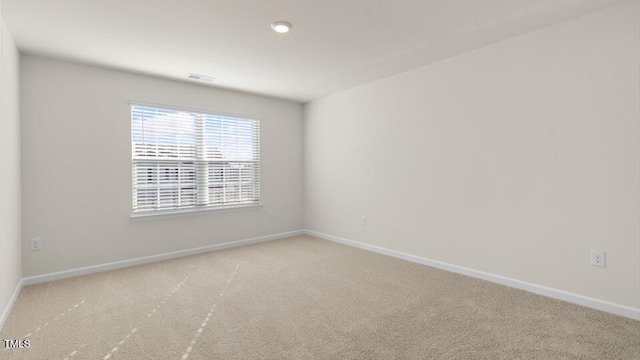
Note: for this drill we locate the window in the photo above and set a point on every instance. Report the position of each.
(185, 160)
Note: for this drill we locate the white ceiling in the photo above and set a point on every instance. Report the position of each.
(334, 44)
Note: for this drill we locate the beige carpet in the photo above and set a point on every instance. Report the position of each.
(303, 298)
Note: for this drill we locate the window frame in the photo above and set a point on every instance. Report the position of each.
(193, 210)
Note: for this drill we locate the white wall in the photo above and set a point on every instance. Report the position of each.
(10, 258)
(76, 165)
(516, 159)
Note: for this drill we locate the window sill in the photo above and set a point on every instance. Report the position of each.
(190, 212)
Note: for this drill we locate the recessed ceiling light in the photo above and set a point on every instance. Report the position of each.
(281, 27)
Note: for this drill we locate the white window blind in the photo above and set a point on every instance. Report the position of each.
(190, 160)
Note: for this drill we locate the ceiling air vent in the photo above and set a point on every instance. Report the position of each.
(199, 77)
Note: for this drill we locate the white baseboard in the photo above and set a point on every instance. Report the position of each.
(12, 300)
(148, 259)
(602, 305)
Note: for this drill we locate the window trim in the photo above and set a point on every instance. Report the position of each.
(165, 214)
(171, 213)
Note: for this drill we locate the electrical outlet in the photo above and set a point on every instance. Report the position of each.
(598, 258)
(363, 220)
(36, 244)
(270, 215)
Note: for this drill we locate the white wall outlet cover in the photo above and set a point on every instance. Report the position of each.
(598, 258)
(36, 244)
(363, 220)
